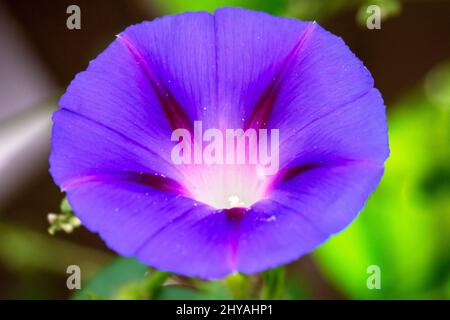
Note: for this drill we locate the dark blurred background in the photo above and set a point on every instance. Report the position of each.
(405, 227)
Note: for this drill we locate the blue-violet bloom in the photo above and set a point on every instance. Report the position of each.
(111, 141)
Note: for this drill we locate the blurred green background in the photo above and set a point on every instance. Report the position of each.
(404, 228)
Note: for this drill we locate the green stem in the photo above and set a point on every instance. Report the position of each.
(154, 283)
(239, 286)
(273, 284)
(145, 289)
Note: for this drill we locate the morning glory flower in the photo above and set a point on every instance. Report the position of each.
(114, 136)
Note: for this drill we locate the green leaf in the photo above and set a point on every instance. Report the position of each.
(65, 206)
(205, 290)
(398, 229)
(144, 289)
(180, 6)
(107, 283)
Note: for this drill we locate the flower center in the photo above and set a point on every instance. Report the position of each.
(227, 186)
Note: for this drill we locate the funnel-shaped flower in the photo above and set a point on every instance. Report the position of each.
(111, 144)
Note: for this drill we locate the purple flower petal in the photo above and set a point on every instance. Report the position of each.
(178, 55)
(235, 69)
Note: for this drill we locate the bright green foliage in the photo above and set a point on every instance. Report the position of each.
(405, 226)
